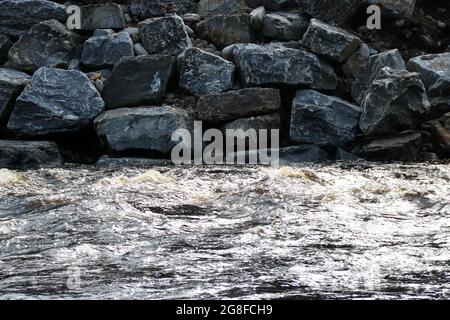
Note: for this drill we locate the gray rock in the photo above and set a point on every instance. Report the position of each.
(266, 122)
(303, 153)
(5, 45)
(20, 154)
(395, 101)
(47, 44)
(323, 120)
(369, 71)
(104, 51)
(237, 104)
(139, 50)
(403, 147)
(435, 72)
(332, 11)
(143, 128)
(272, 64)
(257, 18)
(55, 101)
(351, 67)
(191, 19)
(204, 73)
(237, 26)
(342, 155)
(11, 84)
(227, 52)
(440, 131)
(143, 9)
(138, 81)
(17, 16)
(329, 41)
(134, 33)
(396, 8)
(285, 25)
(221, 7)
(165, 35)
(103, 32)
(102, 16)
(108, 161)
(270, 4)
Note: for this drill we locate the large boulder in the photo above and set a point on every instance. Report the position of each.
(332, 11)
(18, 16)
(237, 26)
(323, 120)
(165, 35)
(138, 81)
(331, 42)
(440, 131)
(55, 101)
(20, 154)
(106, 50)
(285, 25)
(5, 45)
(369, 71)
(102, 16)
(395, 101)
(141, 129)
(221, 7)
(396, 8)
(47, 44)
(276, 64)
(204, 73)
(143, 9)
(11, 84)
(271, 4)
(237, 104)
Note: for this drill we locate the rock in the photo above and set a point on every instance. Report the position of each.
(104, 51)
(11, 84)
(134, 33)
(55, 101)
(403, 147)
(435, 72)
(103, 32)
(272, 64)
(395, 101)
(270, 4)
(108, 161)
(138, 81)
(395, 8)
(191, 19)
(18, 16)
(323, 120)
(266, 122)
(351, 67)
(237, 26)
(303, 153)
(204, 73)
(331, 42)
(369, 71)
(102, 16)
(143, 128)
(342, 155)
(232, 105)
(285, 25)
(139, 50)
(143, 9)
(440, 131)
(221, 7)
(5, 45)
(332, 11)
(227, 52)
(165, 35)
(47, 44)
(20, 154)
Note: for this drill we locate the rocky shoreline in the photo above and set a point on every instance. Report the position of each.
(137, 70)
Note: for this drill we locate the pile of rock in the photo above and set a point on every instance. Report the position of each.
(135, 71)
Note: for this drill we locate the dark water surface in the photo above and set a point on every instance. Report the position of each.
(312, 231)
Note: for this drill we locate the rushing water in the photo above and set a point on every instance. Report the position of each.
(311, 231)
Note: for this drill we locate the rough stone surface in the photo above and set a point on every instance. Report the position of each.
(143, 9)
(221, 7)
(104, 51)
(11, 84)
(369, 71)
(332, 11)
(138, 81)
(236, 104)
(47, 44)
(440, 131)
(285, 25)
(396, 8)
(5, 45)
(270, 4)
(266, 122)
(17, 16)
(351, 67)
(226, 30)
(395, 101)
(143, 128)
(323, 120)
(329, 41)
(165, 35)
(303, 153)
(102, 16)
(55, 101)
(272, 64)
(19, 154)
(204, 73)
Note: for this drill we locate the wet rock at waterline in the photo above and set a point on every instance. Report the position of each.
(11, 84)
(323, 120)
(233, 105)
(47, 44)
(102, 16)
(143, 128)
(164, 35)
(395, 101)
(18, 16)
(138, 81)
(103, 51)
(55, 101)
(285, 25)
(440, 131)
(276, 64)
(20, 154)
(204, 73)
(143, 9)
